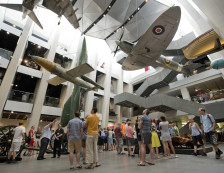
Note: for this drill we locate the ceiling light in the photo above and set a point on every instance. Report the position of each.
(38, 46)
(25, 61)
(138, 8)
(109, 6)
(7, 32)
(104, 15)
(12, 112)
(14, 26)
(16, 85)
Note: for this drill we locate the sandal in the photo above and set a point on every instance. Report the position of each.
(151, 163)
(141, 164)
(89, 167)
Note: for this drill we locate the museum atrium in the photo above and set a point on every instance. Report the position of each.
(61, 57)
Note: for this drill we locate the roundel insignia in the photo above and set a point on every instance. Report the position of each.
(158, 30)
(167, 61)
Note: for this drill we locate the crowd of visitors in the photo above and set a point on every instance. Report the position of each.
(86, 140)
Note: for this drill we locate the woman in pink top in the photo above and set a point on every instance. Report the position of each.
(130, 140)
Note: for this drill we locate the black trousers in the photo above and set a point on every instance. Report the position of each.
(57, 147)
(43, 147)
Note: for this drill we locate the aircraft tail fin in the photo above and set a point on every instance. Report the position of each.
(17, 7)
(33, 16)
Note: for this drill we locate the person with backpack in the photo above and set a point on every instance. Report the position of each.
(208, 125)
(196, 136)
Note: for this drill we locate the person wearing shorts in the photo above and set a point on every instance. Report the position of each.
(130, 140)
(145, 126)
(196, 136)
(119, 139)
(166, 138)
(19, 137)
(74, 136)
(208, 126)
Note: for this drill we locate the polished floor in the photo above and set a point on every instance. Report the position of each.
(121, 164)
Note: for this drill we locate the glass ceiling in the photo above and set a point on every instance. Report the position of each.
(90, 10)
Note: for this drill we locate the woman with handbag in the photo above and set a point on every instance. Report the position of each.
(196, 136)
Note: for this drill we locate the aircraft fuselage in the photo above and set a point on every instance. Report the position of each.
(61, 72)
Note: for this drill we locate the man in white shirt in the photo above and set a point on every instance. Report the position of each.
(19, 137)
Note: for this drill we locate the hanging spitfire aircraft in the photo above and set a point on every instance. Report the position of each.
(60, 7)
(75, 75)
(148, 50)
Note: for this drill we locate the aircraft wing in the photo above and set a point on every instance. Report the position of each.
(63, 8)
(56, 81)
(159, 35)
(80, 70)
(17, 7)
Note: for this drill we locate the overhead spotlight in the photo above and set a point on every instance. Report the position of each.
(7, 32)
(25, 61)
(14, 26)
(16, 85)
(122, 27)
(12, 112)
(109, 6)
(104, 15)
(138, 8)
(38, 46)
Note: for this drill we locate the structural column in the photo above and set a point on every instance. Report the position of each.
(15, 61)
(90, 94)
(42, 84)
(184, 91)
(119, 91)
(106, 98)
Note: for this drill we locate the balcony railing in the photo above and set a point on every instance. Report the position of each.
(51, 101)
(21, 96)
(212, 95)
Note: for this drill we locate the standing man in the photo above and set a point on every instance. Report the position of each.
(57, 142)
(74, 136)
(38, 136)
(119, 139)
(208, 125)
(91, 142)
(19, 137)
(45, 140)
(145, 126)
(84, 141)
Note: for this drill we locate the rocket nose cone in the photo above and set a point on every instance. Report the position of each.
(117, 42)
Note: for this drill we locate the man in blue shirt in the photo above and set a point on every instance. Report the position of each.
(208, 126)
(74, 136)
